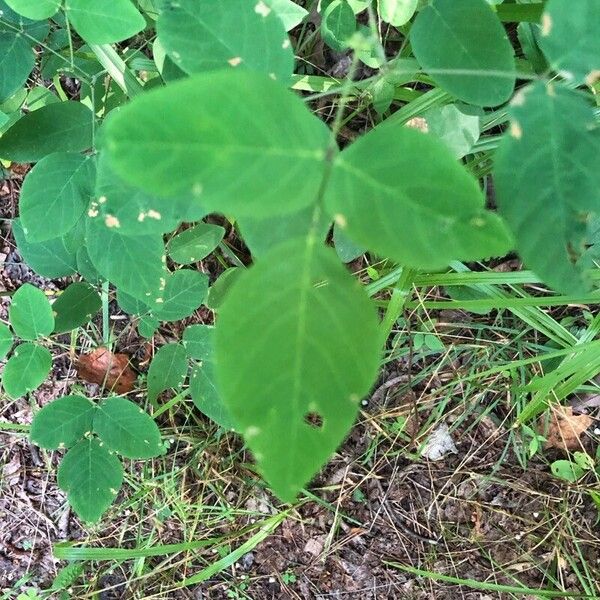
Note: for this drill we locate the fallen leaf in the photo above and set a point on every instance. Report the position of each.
(438, 444)
(565, 428)
(107, 369)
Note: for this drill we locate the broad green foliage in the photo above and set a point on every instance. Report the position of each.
(55, 194)
(91, 476)
(63, 422)
(338, 24)
(125, 428)
(168, 369)
(6, 340)
(75, 307)
(195, 243)
(35, 9)
(275, 367)
(397, 12)
(221, 151)
(57, 127)
(30, 313)
(474, 63)
(16, 63)
(184, 291)
(570, 39)
(394, 186)
(546, 180)
(208, 35)
(104, 22)
(26, 369)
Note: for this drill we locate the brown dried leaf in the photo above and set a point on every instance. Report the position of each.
(565, 428)
(108, 369)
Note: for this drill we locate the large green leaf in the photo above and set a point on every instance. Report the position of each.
(134, 264)
(195, 243)
(26, 369)
(35, 9)
(395, 187)
(57, 127)
(546, 178)
(75, 307)
(91, 476)
(16, 63)
(570, 38)
(52, 258)
(6, 340)
(63, 422)
(104, 22)
(55, 194)
(168, 369)
(184, 291)
(209, 35)
(126, 428)
(30, 313)
(308, 350)
(222, 133)
(462, 45)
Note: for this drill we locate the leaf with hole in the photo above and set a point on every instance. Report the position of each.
(55, 194)
(184, 291)
(276, 368)
(75, 307)
(546, 181)
(127, 429)
(195, 243)
(475, 64)
(62, 422)
(394, 186)
(30, 313)
(570, 40)
(168, 369)
(204, 35)
(57, 127)
(26, 369)
(92, 477)
(104, 23)
(222, 153)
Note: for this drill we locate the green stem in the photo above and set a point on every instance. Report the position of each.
(105, 313)
(397, 303)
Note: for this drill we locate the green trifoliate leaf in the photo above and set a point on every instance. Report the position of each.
(126, 428)
(134, 264)
(26, 369)
(546, 181)
(198, 341)
(57, 127)
(338, 24)
(91, 476)
(205, 395)
(30, 313)
(75, 307)
(290, 14)
(52, 258)
(6, 340)
(205, 35)
(395, 186)
(397, 12)
(314, 355)
(35, 9)
(222, 152)
(16, 63)
(184, 291)
(168, 369)
(570, 39)
(63, 422)
(104, 22)
(195, 243)
(55, 194)
(474, 63)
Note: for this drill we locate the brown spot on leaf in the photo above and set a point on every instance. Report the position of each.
(546, 24)
(565, 429)
(418, 123)
(107, 369)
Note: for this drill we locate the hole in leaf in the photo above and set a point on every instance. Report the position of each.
(314, 420)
